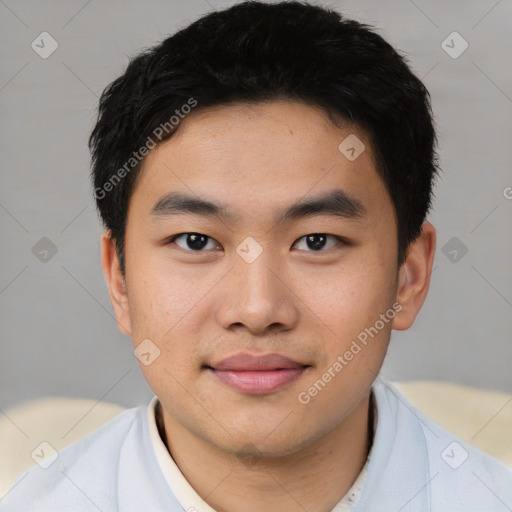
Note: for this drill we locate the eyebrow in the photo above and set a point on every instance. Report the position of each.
(336, 203)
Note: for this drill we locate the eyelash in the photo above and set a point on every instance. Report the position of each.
(341, 241)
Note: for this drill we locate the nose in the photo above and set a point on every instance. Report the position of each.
(258, 296)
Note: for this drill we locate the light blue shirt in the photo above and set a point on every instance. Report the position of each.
(414, 465)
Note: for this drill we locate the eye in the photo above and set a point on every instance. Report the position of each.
(193, 242)
(317, 241)
(196, 242)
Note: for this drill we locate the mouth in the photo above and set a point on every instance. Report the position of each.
(257, 374)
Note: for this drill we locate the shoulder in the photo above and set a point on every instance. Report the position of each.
(463, 477)
(457, 475)
(83, 475)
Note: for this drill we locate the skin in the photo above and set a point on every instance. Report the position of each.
(270, 452)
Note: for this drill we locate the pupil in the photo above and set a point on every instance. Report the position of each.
(196, 241)
(316, 241)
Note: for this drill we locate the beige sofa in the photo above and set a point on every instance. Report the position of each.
(481, 418)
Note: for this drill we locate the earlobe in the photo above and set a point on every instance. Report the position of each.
(414, 277)
(115, 282)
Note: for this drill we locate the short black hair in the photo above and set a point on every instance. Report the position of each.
(257, 52)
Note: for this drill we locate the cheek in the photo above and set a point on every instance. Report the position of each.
(165, 315)
(166, 310)
(159, 297)
(351, 302)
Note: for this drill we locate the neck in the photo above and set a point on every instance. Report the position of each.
(315, 478)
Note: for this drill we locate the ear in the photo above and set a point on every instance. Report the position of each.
(116, 282)
(414, 277)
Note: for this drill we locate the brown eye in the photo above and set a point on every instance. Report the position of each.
(318, 242)
(193, 242)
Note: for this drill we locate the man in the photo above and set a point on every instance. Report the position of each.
(264, 176)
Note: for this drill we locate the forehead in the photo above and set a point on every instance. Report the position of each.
(253, 158)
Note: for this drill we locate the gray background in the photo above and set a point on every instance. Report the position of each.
(57, 331)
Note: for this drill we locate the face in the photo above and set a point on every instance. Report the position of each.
(248, 304)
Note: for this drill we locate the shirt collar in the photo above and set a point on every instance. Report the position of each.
(188, 497)
(398, 474)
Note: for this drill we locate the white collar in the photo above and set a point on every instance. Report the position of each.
(188, 497)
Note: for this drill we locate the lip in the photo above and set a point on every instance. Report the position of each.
(244, 361)
(257, 374)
